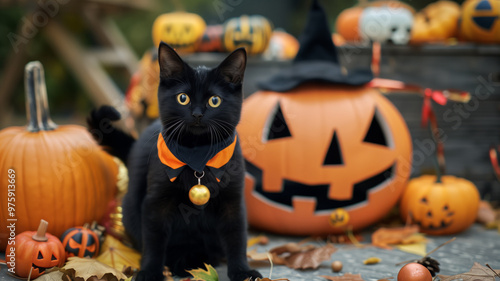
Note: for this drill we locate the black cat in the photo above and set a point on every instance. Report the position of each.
(199, 111)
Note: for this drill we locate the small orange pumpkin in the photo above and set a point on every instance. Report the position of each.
(181, 30)
(440, 207)
(212, 39)
(62, 173)
(318, 148)
(282, 46)
(251, 32)
(35, 252)
(347, 23)
(80, 242)
(481, 21)
(436, 22)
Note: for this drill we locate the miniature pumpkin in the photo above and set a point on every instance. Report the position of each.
(436, 22)
(318, 148)
(212, 39)
(440, 207)
(80, 242)
(347, 23)
(481, 21)
(251, 32)
(38, 250)
(181, 30)
(282, 46)
(62, 174)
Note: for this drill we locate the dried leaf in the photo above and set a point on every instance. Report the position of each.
(416, 248)
(384, 237)
(311, 258)
(261, 239)
(486, 214)
(344, 238)
(345, 277)
(254, 255)
(52, 276)
(372, 260)
(204, 275)
(291, 248)
(117, 255)
(477, 272)
(83, 269)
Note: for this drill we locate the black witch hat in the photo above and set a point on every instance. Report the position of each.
(316, 60)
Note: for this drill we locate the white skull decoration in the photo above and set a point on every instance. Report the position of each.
(386, 24)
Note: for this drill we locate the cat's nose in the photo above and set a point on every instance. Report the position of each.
(197, 113)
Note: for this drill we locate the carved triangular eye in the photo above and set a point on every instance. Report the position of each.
(53, 258)
(40, 256)
(376, 134)
(334, 154)
(277, 127)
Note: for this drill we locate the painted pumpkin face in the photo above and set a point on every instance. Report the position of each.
(319, 148)
(39, 255)
(250, 32)
(481, 21)
(182, 31)
(212, 39)
(384, 24)
(80, 242)
(440, 208)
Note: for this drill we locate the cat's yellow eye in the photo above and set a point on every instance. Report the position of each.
(214, 101)
(183, 99)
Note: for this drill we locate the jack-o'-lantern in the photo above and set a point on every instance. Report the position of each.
(34, 252)
(316, 139)
(212, 39)
(80, 242)
(251, 32)
(440, 207)
(283, 46)
(181, 30)
(64, 176)
(339, 217)
(436, 22)
(318, 148)
(480, 21)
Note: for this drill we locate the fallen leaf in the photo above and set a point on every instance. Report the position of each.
(416, 248)
(477, 272)
(204, 275)
(52, 276)
(261, 239)
(384, 237)
(372, 260)
(291, 248)
(254, 255)
(83, 269)
(345, 277)
(310, 258)
(117, 255)
(344, 238)
(485, 214)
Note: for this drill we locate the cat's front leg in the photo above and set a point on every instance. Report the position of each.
(233, 233)
(154, 241)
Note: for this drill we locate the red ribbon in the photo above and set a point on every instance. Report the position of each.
(427, 111)
(494, 161)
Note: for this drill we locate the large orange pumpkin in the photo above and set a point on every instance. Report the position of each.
(318, 148)
(62, 175)
(481, 21)
(34, 252)
(440, 207)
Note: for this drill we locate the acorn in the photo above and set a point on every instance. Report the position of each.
(337, 266)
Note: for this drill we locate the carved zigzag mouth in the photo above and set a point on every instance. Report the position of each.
(40, 269)
(441, 225)
(291, 189)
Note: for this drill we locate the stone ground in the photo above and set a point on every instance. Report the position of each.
(473, 245)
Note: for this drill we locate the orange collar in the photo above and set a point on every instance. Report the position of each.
(175, 166)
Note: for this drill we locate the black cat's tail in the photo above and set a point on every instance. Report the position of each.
(115, 141)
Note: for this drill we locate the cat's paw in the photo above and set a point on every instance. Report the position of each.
(243, 275)
(149, 276)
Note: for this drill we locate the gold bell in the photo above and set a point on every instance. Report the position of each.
(199, 194)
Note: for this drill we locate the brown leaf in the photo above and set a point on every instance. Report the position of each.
(477, 272)
(311, 258)
(485, 214)
(345, 277)
(117, 255)
(344, 238)
(254, 255)
(291, 248)
(383, 237)
(83, 269)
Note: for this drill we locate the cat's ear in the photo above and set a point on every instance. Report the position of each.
(171, 64)
(233, 67)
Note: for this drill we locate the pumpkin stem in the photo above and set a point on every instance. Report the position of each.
(37, 107)
(42, 230)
